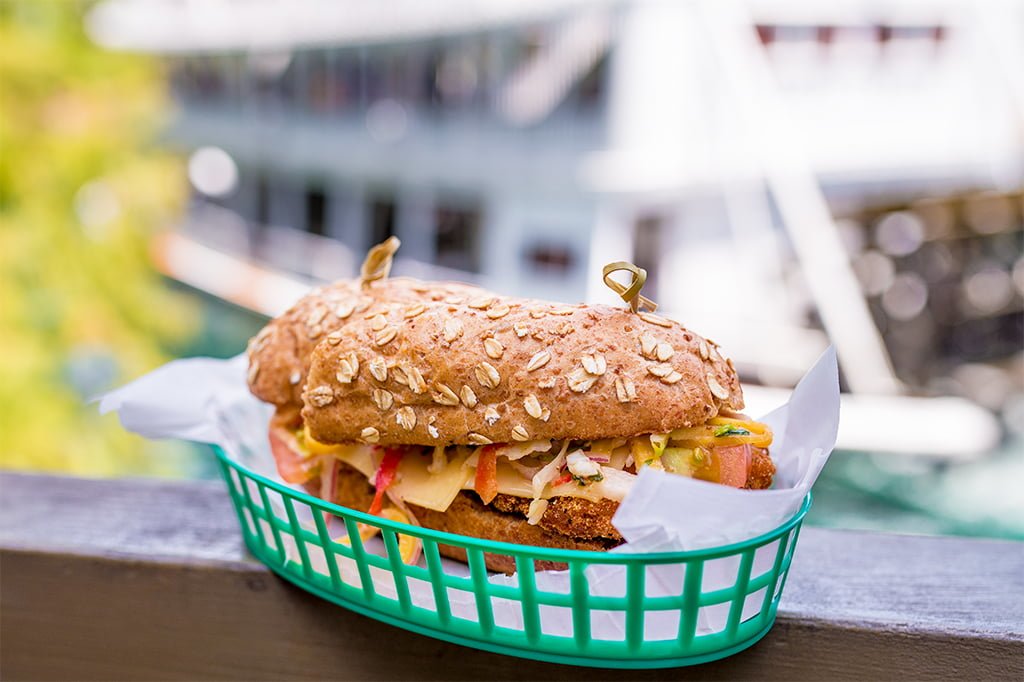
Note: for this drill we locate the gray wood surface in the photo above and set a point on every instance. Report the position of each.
(141, 579)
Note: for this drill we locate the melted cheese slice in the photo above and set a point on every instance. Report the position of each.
(418, 486)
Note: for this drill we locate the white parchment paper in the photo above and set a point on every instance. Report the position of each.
(207, 400)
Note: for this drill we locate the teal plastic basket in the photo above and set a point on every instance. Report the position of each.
(286, 530)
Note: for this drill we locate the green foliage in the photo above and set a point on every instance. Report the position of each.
(81, 189)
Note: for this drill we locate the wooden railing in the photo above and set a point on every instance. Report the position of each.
(144, 579)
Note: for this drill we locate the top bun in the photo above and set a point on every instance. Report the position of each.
(478, 369)
(279, 355)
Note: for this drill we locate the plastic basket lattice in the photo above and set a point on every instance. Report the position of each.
(652, 610)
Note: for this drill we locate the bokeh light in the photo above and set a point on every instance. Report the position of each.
(899, 233)
(386, 120)
(906, 297)
(212, 171)
(875, 271)
(97, 207)
(988, 290)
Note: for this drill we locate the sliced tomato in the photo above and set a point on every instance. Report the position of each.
(292, 464)
(385, 477)
(733, 465)
(564, 478)
(486, 483)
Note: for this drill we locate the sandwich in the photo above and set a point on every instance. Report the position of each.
(508, 419)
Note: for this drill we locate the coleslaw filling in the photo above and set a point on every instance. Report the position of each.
(431, 476)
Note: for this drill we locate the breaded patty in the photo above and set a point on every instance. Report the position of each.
(762, 470)
(582, 519)
(467, 515)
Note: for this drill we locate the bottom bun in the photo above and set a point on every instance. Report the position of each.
(467, 515)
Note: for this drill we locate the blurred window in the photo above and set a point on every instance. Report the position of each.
(432, 96)
(319, 82)
(388, 74)
(591, 90)
(648, 246)
(457, 75)
(415, 88)
(316, 211)
(550, 258)
(347, 80)
(456, 237)
(260, 219)
(233, 72)
(382, 218)
(205, 78)
(262, 215)
(271, 76)
(179, 78)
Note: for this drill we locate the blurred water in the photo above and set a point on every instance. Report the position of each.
(876, 491)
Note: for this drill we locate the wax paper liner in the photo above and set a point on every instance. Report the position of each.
(206, 400)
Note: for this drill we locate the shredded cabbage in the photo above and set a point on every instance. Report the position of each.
(514, 451)
(536, 511)
(582, 466)
(615, 483)
(439, 461)
(549, 472)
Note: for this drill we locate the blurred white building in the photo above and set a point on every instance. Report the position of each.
(529, 143)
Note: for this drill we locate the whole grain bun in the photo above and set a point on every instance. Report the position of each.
(279, 355)
(497, 369)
